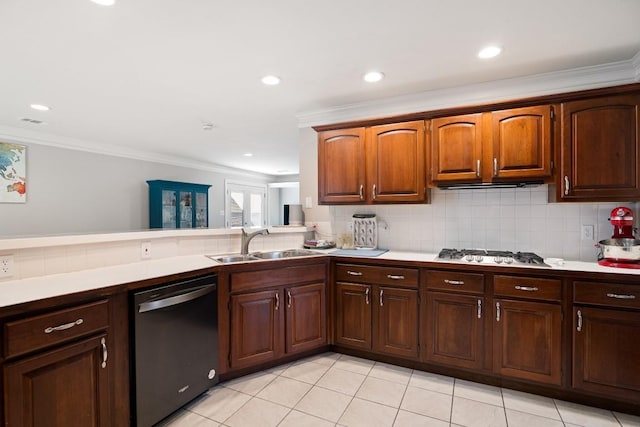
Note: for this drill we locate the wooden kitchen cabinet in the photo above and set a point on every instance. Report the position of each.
(373, 315)
(606, 351)
(512, 144)
(455, 312)
(600, 150)
(527, 328)
(276, 311)
(57, 369)
(378, 164)
(256, 328)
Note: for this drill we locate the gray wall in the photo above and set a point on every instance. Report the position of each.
(70, 191)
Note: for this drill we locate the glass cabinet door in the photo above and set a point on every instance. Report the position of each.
(186, 210)
(168, 209)
(201, 210)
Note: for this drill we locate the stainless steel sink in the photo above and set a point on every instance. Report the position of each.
(289, 253)
(257, 256)
(228, 259)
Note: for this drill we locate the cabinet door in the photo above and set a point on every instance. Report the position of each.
(306, 317)
(396, 162)
(396, 317)
(455, 332)
(63, 387)
(456, 148)
(353, 315)
(341, 166)
(256, 328)
(600, 156)
(606, 352)
(527, 340)
(521, 142)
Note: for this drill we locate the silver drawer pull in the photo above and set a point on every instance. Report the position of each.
(63, 327)
(621, 296)
(479, 308)
(567, 186)
(395, 277)
(497, 311)
(354, 273)
(454, 282)
(104, 353)
(526, 288)
(277, 301)
(381, 294)
(366, 296)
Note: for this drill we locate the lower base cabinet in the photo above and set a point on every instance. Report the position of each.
(68, 386)
(268, 324)
(527, 340)
(377, 309)
(606, 352)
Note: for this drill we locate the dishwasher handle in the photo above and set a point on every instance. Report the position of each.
(176, 299)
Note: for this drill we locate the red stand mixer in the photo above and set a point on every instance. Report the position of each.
(623, 249)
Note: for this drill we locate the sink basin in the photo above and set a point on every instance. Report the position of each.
(227, 259)
(289, 253)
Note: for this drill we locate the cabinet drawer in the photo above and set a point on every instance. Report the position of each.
(33, 333)
(528, 287)
(379, 275)
(455, 281)
(260, 279)
(609, 294)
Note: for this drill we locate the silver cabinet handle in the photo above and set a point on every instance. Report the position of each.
(277, 301)
(478, 168)
(497, 312)
(381, 294)
(361, 192)
(495, 166)
(354, 273)
(103, 342)
(63, 327)
(454, 282)
(288, 299)
(566, 185)
(479, 308)
(526, 288)
(374, 191)
(579, 328)
(395, 276)
(366, 295)
(621, 296)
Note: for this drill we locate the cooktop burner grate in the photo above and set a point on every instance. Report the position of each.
(480, 255)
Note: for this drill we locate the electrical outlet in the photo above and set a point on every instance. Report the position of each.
(6, 265)
(308, 202)
(145, 250)
(350, 226)
(586, 232)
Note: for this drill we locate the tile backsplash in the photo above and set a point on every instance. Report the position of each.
(515, 219)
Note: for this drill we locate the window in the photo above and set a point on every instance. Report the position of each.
(245, 205)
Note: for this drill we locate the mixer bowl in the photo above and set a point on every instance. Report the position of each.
(620, 250)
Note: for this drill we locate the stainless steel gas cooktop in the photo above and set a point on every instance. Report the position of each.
(483, 256)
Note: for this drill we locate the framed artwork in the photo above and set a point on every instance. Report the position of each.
(13, 173)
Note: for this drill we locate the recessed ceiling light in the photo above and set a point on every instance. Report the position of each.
(489, 52)
(39, 107)
(271, 80)
(248, 154)
(104, 2)
(373, 76)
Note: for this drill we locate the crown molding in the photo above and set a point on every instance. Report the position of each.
(27, 136)
(576, 79)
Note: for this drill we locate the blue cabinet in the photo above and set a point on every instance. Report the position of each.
(178, 204)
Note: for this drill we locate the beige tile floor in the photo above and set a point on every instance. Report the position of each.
(340, 390)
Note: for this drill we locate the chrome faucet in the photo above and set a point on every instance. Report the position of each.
(246, 238)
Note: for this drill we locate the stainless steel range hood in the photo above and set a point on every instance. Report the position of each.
(477, 185)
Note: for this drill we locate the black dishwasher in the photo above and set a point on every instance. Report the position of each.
(174, 356)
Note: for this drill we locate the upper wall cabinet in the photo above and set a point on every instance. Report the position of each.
(600, 156)
(378, 164)
(512, 144)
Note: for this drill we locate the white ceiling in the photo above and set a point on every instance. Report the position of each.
(143, 76)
